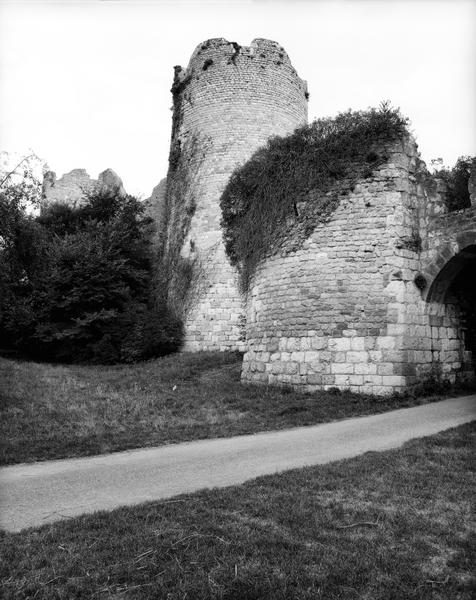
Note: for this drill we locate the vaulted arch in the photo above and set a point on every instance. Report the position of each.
(463, 263)
(451, 302)
(450, 260)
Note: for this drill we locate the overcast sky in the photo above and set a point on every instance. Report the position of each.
(87, 84)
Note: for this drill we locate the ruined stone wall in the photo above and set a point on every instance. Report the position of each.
(346, 309)
(228, 102)
(73, 187)
(69, 189)
(443, 338)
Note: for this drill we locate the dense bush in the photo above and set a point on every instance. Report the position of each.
(456, 179)
(80, 285)
(287, 183)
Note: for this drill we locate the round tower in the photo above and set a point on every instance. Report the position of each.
(227, 103)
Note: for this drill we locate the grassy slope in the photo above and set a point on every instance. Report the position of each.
(52, 411)
(384, 526)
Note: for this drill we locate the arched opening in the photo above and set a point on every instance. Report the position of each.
(452, 300)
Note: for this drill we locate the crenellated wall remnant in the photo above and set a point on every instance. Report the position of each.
(73, 187)
(228, 102)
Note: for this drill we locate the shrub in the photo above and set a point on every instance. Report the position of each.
(289, 182)
(457, 178)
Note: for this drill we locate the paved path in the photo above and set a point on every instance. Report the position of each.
(38, 493)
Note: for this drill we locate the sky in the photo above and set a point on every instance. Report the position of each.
(86, 84)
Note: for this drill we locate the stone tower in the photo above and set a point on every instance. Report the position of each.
(227, 103)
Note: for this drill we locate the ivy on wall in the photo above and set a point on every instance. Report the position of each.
(294, 182)
(183, 179)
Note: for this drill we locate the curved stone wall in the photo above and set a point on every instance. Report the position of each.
(228, 102)
(346, 310)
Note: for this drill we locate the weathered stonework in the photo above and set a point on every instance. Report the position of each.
(375, 300)
(73, 187)
(228, 102)
(347, 309)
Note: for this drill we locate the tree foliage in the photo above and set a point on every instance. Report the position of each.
(77, 283)
(456, 178)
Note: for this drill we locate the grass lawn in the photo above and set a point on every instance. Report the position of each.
(53, 411)
(395, 525)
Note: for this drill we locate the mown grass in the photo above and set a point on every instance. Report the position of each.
(52, 411)
(395, 525)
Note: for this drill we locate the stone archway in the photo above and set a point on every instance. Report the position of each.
(451, 302)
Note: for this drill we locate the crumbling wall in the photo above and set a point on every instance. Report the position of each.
(347, 310)
(73, 187)
(228, 102)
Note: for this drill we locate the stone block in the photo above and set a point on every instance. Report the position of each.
(365, 369)
(318, 343)
(339, 344)
(342, 368)
(357, 357)
(385, 343)
(291, 368)
(342, 380)
(315, 379)
(357, 343)
(316, 366)
(373, 379)
(385, 369)
(393, 380)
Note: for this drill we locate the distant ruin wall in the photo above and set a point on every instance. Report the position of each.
(73, 187)
(345, 310)
(228, 102)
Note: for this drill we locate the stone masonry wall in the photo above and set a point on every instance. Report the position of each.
(69, 189)
(345, 310)
(443, 337)
(228, 102)
(73, 187)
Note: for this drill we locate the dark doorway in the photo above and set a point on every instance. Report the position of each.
(463, 290)
(454, 291)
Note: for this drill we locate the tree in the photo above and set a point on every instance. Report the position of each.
(89, 297)
(21, 242)
(456, 179)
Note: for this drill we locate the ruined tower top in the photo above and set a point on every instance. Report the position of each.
(227, 103)
(257, 83)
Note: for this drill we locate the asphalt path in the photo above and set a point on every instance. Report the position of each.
(38, 493)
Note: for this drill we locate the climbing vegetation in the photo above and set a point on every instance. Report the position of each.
(179, 261)
(294, 182)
